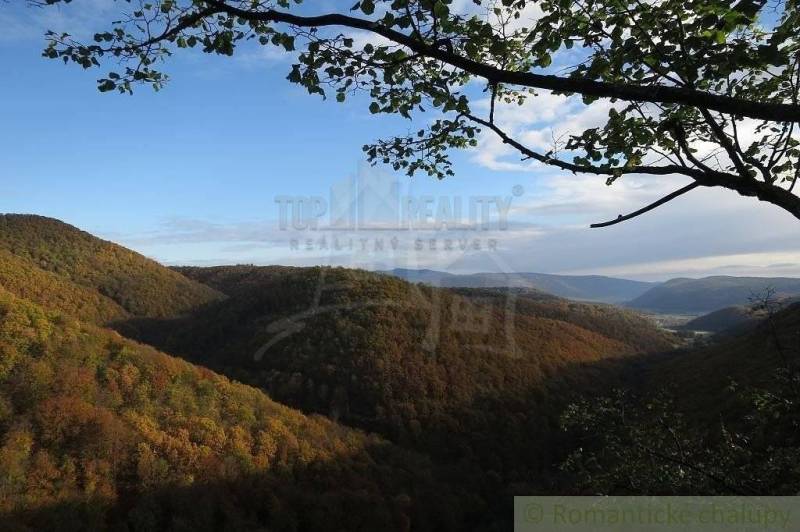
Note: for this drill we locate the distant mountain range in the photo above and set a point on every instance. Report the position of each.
(580, 287)
(676, 296)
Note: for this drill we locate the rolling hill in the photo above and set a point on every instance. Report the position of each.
(380, 340)
(700, 296)
(579, 287)
(407, 406)
(725, 319)
(25, 279)
(463, 377)
(455, 383)
(610, 321)
(100, 433)
(140, 286)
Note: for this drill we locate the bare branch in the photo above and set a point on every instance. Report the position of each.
(655, 204)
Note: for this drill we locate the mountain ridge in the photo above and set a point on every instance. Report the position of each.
(45, 247)
(579, 287)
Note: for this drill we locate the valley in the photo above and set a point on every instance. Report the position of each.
(129, 391)
(399, 266)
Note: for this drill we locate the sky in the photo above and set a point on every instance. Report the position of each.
(230, 163)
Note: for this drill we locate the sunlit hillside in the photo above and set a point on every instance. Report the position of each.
(139, 285)
(100, 433)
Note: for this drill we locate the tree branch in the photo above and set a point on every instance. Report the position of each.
(777, 112)
(671, 169)
(662, 201)
(725, 142)
(703, 176)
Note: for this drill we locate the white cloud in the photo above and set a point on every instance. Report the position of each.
(706, 232)
(80, 19)
(540, 123)
(743, 264)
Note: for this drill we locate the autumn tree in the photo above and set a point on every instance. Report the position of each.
(703, 89)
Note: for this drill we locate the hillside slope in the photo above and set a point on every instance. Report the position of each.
(406, 342)
(701, 378)
(100, 433)
(610, 321)
(24, 279)
(708, 294)
(724, 319)
(466, 380)
(135, 283)
(723, 419)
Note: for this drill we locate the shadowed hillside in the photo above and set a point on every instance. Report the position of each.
(702, 377)
(367, 347)
(100, 433)
(720, 420)
(469, 380)
(705, 295)
(725, 319)
(403, 337)
(137, 284)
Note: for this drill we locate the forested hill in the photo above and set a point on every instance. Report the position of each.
(467, 379)
(25, 279)
(465, 390)
(140, 286)
(242, 278)
(712, 293)
(702, 378)
(728, 319)
(101, 433)
(610, 321)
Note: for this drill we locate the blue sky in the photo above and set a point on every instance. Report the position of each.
(218, 143)
(190, 174)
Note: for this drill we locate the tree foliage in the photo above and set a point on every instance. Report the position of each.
(727, 424)
(100, 433)
(699, 89)
(634, 445)
(475, 382)
(118, 277)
